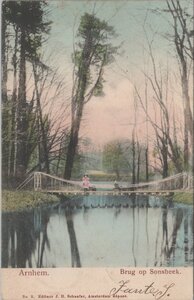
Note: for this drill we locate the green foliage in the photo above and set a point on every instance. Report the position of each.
(114, 158)
(98, 91)
(29, 17)
(94, 51)
(118, 158)
(99, 29)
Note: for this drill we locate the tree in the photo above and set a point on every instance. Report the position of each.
(125, 157)
(93, 53)
(113, 158)
(24, 24)
(4, 46)
(31, 23)
(166, 140)
(165, 143)
(183, 41)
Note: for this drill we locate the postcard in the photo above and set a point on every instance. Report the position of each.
(97, 135)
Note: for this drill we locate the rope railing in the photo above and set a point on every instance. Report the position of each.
(157, 182)
(25, 182)
(46, 181)
(73, 182)
(188, 182)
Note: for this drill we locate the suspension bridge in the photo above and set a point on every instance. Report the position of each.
(40, 181)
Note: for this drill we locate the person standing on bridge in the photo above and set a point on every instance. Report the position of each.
(86, 182)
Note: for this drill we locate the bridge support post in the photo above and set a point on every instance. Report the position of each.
(185, 181)
(37, 181)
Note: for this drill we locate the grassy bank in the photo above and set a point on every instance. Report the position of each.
(21, 200)
(183, 197)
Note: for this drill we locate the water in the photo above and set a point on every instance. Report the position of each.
(99, 231)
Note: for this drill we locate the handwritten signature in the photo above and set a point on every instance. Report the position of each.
(157, 293)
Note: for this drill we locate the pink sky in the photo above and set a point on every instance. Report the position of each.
(112, 116)
(108, 117)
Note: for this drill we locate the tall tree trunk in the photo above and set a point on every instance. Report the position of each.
(147, 162)
(133, 159)
(188, 119)
(3, 57)
(71, 150)
(72, 147)
(13, 142)
(22, 122)
(165, 161)
(4, 50)
(186, 145)
(147, 140)
(75, 126)
(59, 157)
(138, 162)
(42, 125)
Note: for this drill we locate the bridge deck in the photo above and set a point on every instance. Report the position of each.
(113, 193)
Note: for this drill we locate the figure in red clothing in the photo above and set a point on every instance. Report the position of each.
(86, 182)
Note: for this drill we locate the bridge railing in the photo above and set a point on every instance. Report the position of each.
(188, 182)
(175, 182)
(27, 183)
(41, 181)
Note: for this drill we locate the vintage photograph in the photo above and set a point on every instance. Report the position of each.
(97, 133)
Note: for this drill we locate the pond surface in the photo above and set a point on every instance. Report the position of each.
(100, 231)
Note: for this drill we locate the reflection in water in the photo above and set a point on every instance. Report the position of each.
(45, 240)
(191, 238)
(165, 247)
(169, 244)
(133, 239)
(147, 235)
(127, 231)
(156, 243)
(176, 227)
(21, 234)
(186, 240)
(75, 258)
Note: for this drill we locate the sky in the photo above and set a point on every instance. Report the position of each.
(112, 116)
